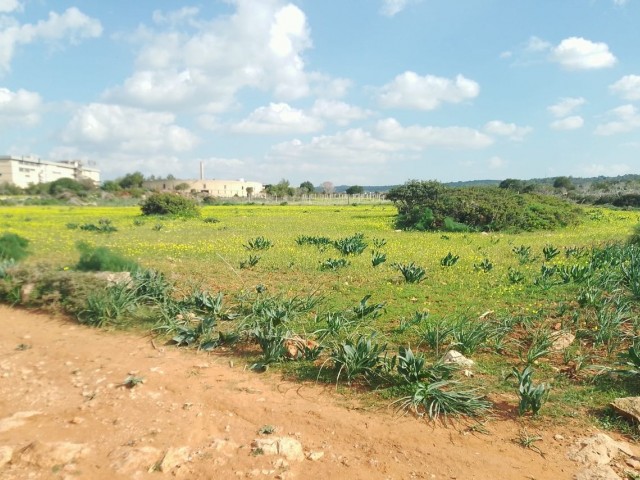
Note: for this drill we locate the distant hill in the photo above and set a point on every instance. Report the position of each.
(577, 181)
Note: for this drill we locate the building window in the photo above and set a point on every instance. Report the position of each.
(204, 185)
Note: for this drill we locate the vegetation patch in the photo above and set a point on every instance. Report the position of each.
(430, 205)
(170, 204)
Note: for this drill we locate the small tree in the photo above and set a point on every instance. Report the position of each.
(327, 188)
(131, 180)
(563, 182)
(249, 192)
(306, 188)
(355, 190)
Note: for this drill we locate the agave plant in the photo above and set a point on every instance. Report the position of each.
(411, 272)
(360, 357)
(258, 243)
(444, 398)
(532, 397)
(449, 260)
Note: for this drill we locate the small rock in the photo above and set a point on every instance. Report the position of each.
(128, 460)
(453, 356)
(76, 420)
(629, 407)
(562, 340)
(598, 450)
(47, 455)
(558, 437)
(633, 462)
(174, 458)
(315, 456)
(25, 292)
(288, 447)
(16, 420)
(597, 472)
(6, 453)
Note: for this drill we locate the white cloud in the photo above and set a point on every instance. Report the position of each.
(418, 137)
(628, 87)
(7, 6)
(72, 25)
(412, 91)
(338, 112)
(113, 128)
(347, 155)
(568, 123)
(536, 44)
(260, 45)
(495, 163)
(620, 3)
(511, 130)
(566, 106)
(20, 107)
(277, 118)
(391, 8)
(626, 119)
(597, 169)
(184, 15)
(577, 53)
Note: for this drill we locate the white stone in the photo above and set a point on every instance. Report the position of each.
(453, 356)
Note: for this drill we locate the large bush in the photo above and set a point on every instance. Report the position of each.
(170, 204)
(429, 205)
(13, 247)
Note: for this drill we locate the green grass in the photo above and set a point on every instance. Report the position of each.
(193, 254)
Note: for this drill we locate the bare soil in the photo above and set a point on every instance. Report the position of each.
(64, 413)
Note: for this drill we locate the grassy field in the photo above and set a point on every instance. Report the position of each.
(488, 276)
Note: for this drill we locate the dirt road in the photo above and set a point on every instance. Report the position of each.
(64, 413)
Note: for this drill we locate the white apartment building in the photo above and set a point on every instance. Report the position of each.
(27, 170)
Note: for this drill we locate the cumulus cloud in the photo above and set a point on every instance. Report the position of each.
(577, 53)
(114, 128)
(331, 156)
(278, 118)
(7, 6)
(566, 106)
(259, 46)
(628, 87)
(510, 130)
(496, 163)
(536, 44)
(624, 119)
(20, 107)
(573, 122)
(184, 15)
(412, 91)
(418, 137)
(391, 8)
(72, 25)
(338, 112)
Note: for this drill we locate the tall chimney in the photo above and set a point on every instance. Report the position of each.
(201, 170)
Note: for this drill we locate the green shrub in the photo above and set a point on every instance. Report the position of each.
(170, 204)
(434, 206)
(101, 259)
(13, 247)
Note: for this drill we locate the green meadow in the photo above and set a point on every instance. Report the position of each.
(525, 286)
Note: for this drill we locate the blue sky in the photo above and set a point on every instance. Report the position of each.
(369, 92)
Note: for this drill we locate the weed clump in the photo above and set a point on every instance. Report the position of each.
(101, 259)
(13, 247)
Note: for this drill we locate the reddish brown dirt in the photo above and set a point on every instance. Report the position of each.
(69, 374)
